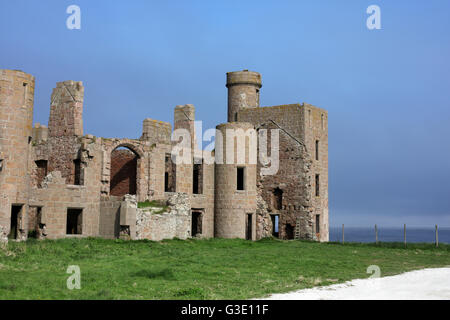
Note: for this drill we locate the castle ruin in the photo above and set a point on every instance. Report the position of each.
(57, 182)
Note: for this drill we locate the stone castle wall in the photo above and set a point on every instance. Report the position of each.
(232, 206)
(50, 173)
(16, 117)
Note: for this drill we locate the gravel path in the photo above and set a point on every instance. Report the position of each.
(426, 284)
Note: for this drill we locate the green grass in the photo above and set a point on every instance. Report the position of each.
(154, 204)
(196, 269)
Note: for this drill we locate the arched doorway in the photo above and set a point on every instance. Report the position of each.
(123, 179)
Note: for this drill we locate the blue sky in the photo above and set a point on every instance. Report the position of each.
(386, 91)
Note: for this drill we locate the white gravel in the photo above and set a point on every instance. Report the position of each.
(426, 284)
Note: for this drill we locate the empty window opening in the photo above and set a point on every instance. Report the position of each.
(1, 165)
(317, 223)
(74, 221)
(77, 178)
(123, 172)
(275, 224)
(197, 179)
(196, 223)
(235, 117)
(277, 199)
(289, 231)
(41, 172)
(249, 223)
(14, 226)
(317, 149)
(34, 222)
(169, 174)
(166, 182)
(240, 179)
(317, 185)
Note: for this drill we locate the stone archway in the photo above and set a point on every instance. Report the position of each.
(123, 171)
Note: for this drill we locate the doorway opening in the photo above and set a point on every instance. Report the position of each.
(74, 221)
(289, 231)
(275, 225)
(196, 223)
(14, 227)
(34, 222)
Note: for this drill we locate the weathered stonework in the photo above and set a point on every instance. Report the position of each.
(174, 222)
(58, 182)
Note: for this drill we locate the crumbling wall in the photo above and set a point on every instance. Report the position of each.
(3, 236)
(263, 219)
(55, 196)
(175, 222)
(65, 125)
(293, 176)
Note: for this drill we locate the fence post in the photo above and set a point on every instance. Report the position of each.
(404, 234)
(343, 234)
(376, 234)
(437, 237)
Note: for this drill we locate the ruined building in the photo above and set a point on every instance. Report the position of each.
(57, 182)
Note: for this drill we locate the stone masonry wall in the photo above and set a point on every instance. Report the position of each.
(65, 125)
(173, 223)
(316, 129)
(292, 178)
(16, 116)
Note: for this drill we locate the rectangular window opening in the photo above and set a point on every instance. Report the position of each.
(77, 172)
(197, 183)
(41, 172)
(317, 223)
(1, 165)
(169, 174)
(240, 178)
(277, 199)
(317, 149)
(74, 221)
(248, 233)
(317, 186)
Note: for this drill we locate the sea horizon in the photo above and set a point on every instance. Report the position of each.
(390, 234)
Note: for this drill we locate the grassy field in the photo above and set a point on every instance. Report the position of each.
(197, 269)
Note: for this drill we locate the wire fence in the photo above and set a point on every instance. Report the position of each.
(377, 234)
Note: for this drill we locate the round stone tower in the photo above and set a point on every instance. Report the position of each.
(235, 181)
(16, 118)
(243, 91)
